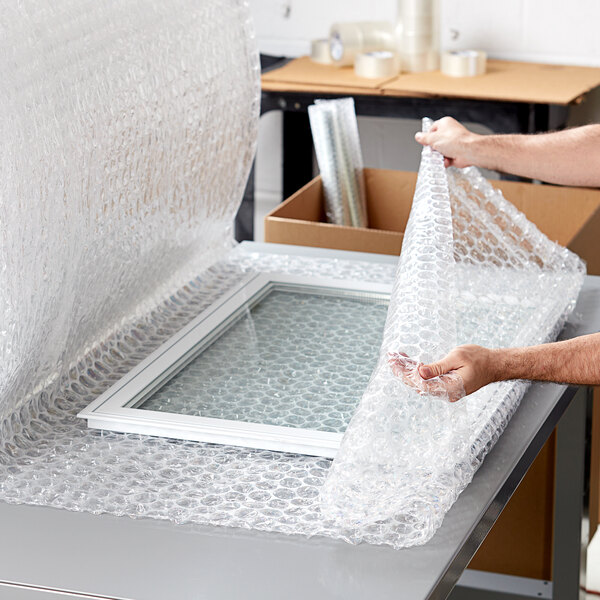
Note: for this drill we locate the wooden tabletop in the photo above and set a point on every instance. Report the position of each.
(503, 81)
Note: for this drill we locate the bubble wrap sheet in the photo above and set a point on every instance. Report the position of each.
(472, 269)
(123, 160)
(128, 130)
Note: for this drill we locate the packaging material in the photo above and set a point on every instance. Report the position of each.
(304, 75)
(511, 81)
(349, 39)
(463, 63)
(319, 52)
(373, 65)
(518, 543)
(109, 197)
(124, 158)
(504, 80)
(49, 457)
(417, 34)
(337, 146)
(301, 218)
(472, 270)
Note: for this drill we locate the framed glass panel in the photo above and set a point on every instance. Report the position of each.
(279, 363)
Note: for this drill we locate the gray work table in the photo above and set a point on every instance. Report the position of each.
(46, 549)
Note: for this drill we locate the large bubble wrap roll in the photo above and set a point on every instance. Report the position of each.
(472, 269)
(128, 130)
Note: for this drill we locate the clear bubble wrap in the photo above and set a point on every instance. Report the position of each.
(128, 131)
(337, 146)
(472, 270)
(124, 156)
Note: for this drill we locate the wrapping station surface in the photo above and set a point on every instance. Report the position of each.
(124, 156)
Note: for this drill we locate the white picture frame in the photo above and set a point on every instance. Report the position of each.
(115, 409)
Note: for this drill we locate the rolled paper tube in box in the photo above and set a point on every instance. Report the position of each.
(464, 63)
(374, 65)
(319, 52)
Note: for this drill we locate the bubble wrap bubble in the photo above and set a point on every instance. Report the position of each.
(472, 269)
(128, 129)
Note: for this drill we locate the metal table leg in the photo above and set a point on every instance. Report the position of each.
(297, 152)
(568, 509)
(568, 499)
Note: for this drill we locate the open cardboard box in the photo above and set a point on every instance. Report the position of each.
(570, 216)
(520, 543)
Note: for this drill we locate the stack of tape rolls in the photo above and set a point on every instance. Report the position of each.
(417, 34)
(464, 63)
(349, 39)
(319, 51)
(374, 65)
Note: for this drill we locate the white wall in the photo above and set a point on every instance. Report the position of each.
(552, 31)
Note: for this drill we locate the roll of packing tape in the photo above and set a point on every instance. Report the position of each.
(464, 63)
(374, 65)
(418, 62)
(319, 52)
(346, 40)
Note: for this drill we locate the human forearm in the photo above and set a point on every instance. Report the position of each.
(570, 157)
(574, 361)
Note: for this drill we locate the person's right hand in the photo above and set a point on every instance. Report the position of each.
(451, 139)
(475, 365)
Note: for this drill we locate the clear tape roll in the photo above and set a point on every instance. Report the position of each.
(349, 39)
(319, 52)
(420, 61)
(464, 63)
(374, 65)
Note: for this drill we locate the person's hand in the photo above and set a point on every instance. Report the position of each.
(463, 371)
(477, 366)
(451, 139)
(448, 386)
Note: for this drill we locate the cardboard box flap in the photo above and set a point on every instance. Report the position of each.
(304, 71)
(506, 81)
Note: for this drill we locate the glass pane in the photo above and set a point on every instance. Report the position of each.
(294, 359)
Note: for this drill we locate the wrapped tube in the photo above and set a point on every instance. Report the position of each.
(337, 146)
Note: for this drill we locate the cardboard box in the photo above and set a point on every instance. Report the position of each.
(520, 543)
(570, 216)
